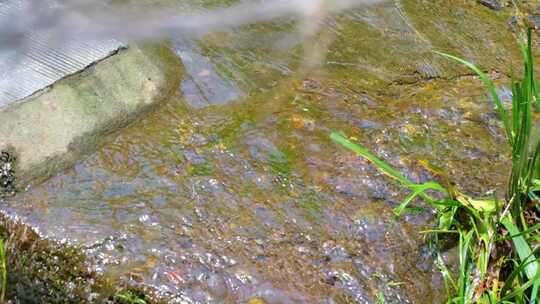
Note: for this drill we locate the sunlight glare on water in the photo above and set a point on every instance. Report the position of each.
(64, 20)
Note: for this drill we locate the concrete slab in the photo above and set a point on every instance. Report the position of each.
(38, 64)
(48, 131)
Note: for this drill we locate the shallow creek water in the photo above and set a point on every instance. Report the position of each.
(231, 190)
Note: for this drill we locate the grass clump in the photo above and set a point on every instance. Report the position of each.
(497, 238)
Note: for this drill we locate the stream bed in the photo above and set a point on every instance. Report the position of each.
(232, 192)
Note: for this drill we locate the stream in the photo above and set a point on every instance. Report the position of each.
(232, 192)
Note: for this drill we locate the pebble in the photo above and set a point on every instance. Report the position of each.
(492, 4)
(7, 174)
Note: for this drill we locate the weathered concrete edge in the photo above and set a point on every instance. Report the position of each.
(52, 130)
(118, 89)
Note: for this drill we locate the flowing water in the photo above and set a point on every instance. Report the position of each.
(231, 190)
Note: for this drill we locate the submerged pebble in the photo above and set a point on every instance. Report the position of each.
(492, 4)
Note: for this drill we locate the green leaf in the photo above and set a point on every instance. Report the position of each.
(418, 189)
(522, 247)
(364, 152)
(482, 205)
(503, 114)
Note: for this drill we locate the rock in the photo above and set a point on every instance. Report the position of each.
(7, 174)
(492, 4)
(534, 21)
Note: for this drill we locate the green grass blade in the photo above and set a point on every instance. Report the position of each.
(516, 98)
(447, 218)
(522, 247)
(503, 113)
(534, 293)
(386, 168)
(447, 203)
(520, 289)
(364, 152)
(464, 266)
(523, 232)
(529, 69)
(446, 273)
(418, 189)
(511, 277)
(3, 271)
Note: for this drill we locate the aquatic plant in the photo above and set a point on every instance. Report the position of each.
(491, 269)
(128, 297)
